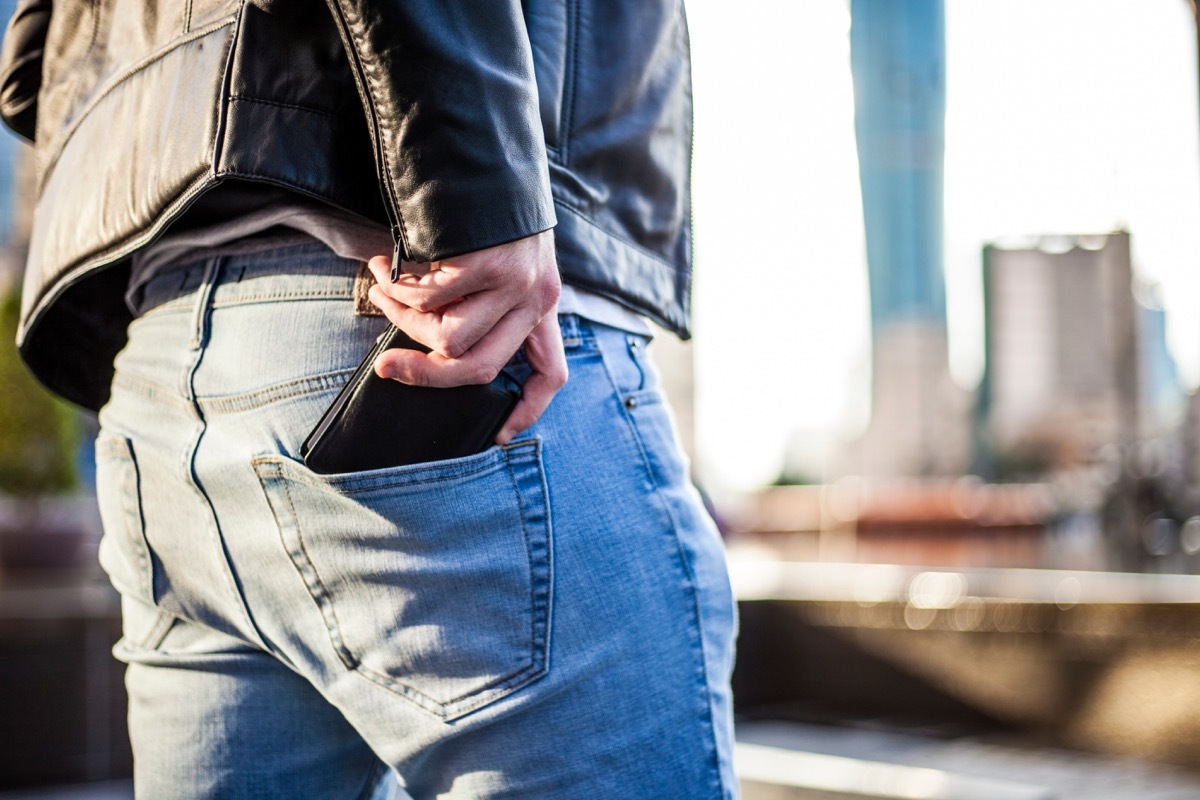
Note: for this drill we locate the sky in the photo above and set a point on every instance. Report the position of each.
(1063, 116)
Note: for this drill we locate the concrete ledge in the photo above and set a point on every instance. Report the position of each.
(775, 773)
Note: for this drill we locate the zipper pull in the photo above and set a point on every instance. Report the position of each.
(396, 255)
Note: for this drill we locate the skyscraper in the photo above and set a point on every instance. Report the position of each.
(919, 417)
(898, 58)
(1067, 351)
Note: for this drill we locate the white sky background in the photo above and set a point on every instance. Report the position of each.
(1063, 116)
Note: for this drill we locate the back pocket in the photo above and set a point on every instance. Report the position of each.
(124, 553)
(433, 580)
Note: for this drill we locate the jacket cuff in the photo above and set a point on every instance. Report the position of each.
(450, 89)
(448, 218)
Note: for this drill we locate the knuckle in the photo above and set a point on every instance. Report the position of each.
(484, 373)
(415, 377)
(401, 370)
(547, 295)
(451, 346)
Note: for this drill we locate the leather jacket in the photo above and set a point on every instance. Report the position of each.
(460, 124)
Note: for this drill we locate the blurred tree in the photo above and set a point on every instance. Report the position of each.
(38, 433)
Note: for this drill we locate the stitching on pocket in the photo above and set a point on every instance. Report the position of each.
(304, 565)
(163, 622)
(523, 465)
(130, 538)
(539, 551)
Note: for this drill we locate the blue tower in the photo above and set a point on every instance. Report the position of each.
(898, 60)
(920, 420)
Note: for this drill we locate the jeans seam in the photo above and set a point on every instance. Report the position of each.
(185, 303)
(533, 589)
(266, 297)
(541, 592)
(693, 598)
(150, 390)
(201, 313)
(456, 707)
(374, 776)
(698, 645)
(135, 526)
(488, 467)
(322, 598)
(202, 329)
(163, 622)
(249, 401)
(399, 481)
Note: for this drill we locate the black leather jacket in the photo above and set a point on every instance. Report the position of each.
(461, 124)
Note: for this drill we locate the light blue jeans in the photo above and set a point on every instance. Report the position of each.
(550, 619)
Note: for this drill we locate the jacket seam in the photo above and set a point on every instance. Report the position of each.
(374, 121)
(309, 191)
(622, 239)
(104, 257)
(222, 121)
(117, 82)
(568, 121)
(241, 98)
(95, 36)
(77, 91)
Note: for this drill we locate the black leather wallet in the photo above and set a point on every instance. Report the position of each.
(376, 422)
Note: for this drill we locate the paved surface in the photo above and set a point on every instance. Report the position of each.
(1064, 775)
(1060, 774)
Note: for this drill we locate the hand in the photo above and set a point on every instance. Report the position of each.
(474, 311)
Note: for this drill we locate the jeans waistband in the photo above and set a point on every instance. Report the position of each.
(307, 270)
(296, 270)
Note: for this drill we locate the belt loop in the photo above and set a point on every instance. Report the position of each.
(201, 313)
(571, 330)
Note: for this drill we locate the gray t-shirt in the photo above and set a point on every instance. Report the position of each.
(246, 217)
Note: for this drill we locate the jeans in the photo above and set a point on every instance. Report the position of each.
(549, 619)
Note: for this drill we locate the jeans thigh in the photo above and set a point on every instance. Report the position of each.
(211, 717)
(642, 554)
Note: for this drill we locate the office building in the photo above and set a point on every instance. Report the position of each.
(1074, 361)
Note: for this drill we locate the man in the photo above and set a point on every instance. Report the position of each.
(547, 618)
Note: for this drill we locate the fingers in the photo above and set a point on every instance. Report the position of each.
(544, 353)
(450, 331)
(451, 308)
(432, 289)
(481, 364)
(474, 311)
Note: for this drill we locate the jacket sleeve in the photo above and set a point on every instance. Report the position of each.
(21, 65)
(451, 98)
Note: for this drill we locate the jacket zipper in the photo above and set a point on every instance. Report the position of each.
(390, 206)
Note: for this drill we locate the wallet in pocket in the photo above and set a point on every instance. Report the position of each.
(377, 422)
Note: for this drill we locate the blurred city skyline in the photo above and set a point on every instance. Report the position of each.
(1062, 118)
